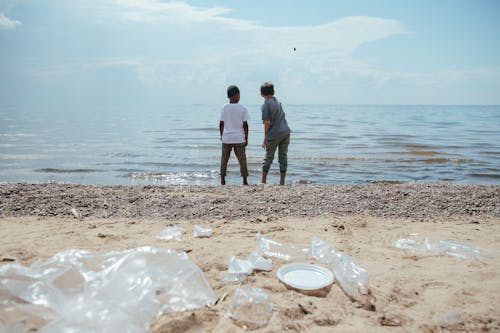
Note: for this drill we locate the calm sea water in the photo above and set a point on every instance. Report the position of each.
(180, 145)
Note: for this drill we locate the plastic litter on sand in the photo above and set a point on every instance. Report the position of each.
(250, 307)
(78, 291)
(171, 232)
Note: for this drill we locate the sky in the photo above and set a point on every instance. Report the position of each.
(59, 53)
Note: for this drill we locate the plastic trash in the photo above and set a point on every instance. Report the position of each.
(459, 250)
(351, 277)
(273, 248)
(259, 262)
(171, 232)
(237, 270)
(78, 291)
(250, 307)
(451, 248)
(201, 232)
(416, 246)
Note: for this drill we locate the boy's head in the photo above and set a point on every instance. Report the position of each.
(233, 93)
(267, 89)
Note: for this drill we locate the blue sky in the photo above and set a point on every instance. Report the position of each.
(155, 53)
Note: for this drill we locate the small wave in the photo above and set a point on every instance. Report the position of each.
(417, 146)
(388, 182)
(415, 152)
(319, 139)
(440, 160)
(54, 170)
(484, 175)
(127, 155)
(169, 175)
(330, 158)
(494, 153)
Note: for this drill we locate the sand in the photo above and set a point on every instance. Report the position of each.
(416, 293)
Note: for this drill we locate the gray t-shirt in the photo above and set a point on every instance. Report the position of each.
(272, 110)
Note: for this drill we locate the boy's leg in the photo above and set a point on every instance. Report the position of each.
(264, 177)
(239, 151)
(226, 151)
(283, 158)
(268, 160)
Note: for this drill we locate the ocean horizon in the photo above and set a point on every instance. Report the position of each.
(179, 145)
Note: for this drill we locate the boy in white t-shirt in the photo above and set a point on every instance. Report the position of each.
(233, 128)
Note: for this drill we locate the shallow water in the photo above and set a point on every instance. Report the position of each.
(180, 145)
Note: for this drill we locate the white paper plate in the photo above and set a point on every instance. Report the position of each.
(305, 276)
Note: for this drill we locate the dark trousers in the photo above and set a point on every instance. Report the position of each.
(239, 151)
(282, 145)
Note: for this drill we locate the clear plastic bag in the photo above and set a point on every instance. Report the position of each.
(237, 270)
(78, 291)
(273, 248)
(250, 307)
(201, 232)
(260, 263)
(451, 248)
(171, 232)
(352, 278)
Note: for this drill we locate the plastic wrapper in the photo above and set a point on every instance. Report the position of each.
(77, 291)
(250, 307)
(171, 232)
(451, 248)
(201, 232)
(351, 277)
(260, 263)
(237, 270)
(273, 248)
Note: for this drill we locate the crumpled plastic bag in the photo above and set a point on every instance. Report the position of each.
(448, 247)
(171, 232)
(238, 269)
(250, 307)
(273, 248)
(351, 277)
(115, 292)
(200, 232)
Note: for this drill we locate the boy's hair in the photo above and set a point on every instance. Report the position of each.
(232, 91)
(267, 88)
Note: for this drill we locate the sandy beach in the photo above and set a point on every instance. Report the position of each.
(414, 293)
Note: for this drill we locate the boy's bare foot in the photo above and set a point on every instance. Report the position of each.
(282, 178)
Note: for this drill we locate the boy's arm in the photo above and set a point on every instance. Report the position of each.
(267, 124)
(221, 128)
(245, 129)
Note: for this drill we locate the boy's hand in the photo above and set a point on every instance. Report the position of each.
(264, 144)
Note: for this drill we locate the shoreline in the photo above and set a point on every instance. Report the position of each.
(176, 202)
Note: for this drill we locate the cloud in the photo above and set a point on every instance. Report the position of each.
(7, 23)
(340, 37)
(177, 11)
(175, 42)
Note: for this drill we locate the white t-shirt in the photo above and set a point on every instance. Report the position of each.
(233, 115)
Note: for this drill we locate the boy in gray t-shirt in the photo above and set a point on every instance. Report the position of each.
(276, 132)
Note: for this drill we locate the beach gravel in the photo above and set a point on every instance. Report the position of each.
(176, 202)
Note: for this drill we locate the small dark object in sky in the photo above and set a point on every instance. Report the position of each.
(294, 49)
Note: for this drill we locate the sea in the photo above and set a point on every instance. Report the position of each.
(180, 145)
